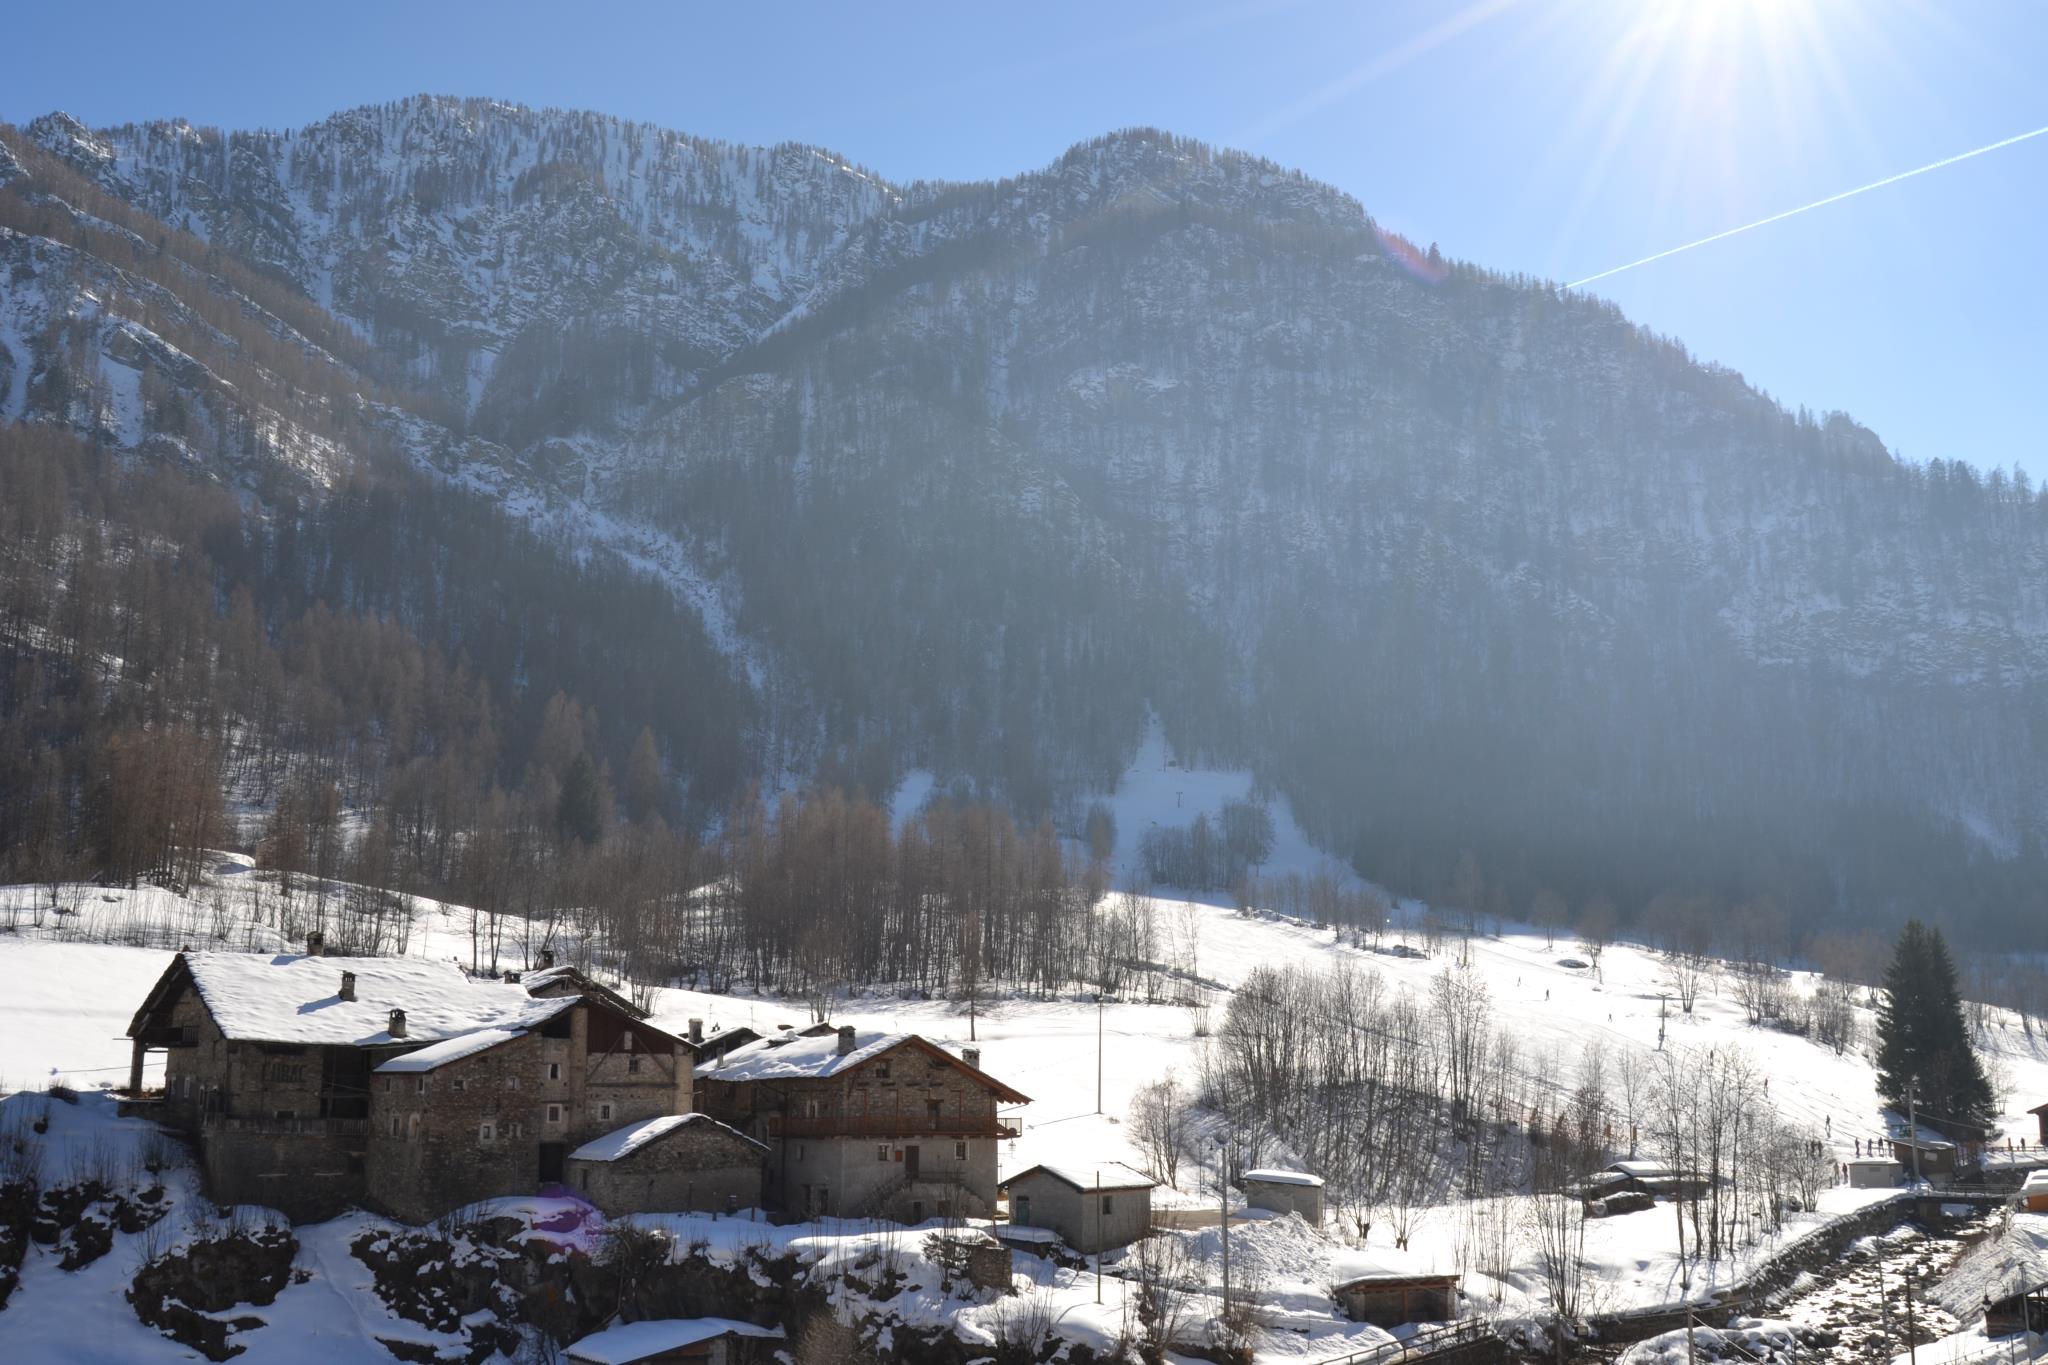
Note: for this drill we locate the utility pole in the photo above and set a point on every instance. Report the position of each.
(1913, 1124)
(1097, 1197)
(1691, 1355)
(1223, 1209)
(1098, 1052)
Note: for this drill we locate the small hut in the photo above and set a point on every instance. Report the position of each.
(1097, 1207)
(1388, 1287)
(1282, 1191)
(674, 1341)
(2034, 1193)
(1873, 1172)
(2004, 1278)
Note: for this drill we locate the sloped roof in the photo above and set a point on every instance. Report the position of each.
(1273, 1175)
(633, 1341)
(1091, 1179)
(2014, 1261)
(623, 1142)
(460, 1045)
(1382, 1263)
(816, 1057)
(292, 998)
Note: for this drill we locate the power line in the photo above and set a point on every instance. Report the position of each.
(1818, 203)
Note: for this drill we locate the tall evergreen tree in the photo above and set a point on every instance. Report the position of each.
(1922, 1037)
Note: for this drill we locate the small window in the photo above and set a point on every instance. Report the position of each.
(959, 1151)
(384, 1082)
(554, 1071)
(882, 1152)
(626, 1041)
(881, 1071)
(810, 1109)
(284, 1114)
(456, 1084)
(394, 1125)
(485, 1132)
(1108, 1205)
(412, 1125)
(604, 1111)
(511, 1082)
(554, 1113)
(632, 1064)
(419, 1084)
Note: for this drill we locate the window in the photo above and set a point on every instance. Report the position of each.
(554, 1071)
(456, 1084)
(604, 1111)
(881, 1071)
(511, 1082)
(412, 1125)
(284, 1114)
(810, 1108)
(917, 1210)
(384, 1083)
(959, 1151)
(626, 1041)
(394, 1125)
(1108, 1206)
(554, 1113)
(882, 1152)
(419, 1084)
(485, 1132)
(632, 1064)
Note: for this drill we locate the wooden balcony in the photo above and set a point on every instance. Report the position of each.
(311, 1127)
(890, 1125)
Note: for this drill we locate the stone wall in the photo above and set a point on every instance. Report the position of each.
(868, 1176)
(700, 1167)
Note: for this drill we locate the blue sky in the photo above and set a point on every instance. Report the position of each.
(1557, 137)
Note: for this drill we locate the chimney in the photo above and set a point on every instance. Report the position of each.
(547, 958)
(845, 1039)
(696, 1030)
(971, 1056)
(511, 977)
(348, 985)
(397, 1027)
(316, 944)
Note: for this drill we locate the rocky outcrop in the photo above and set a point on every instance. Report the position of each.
(190, 1295)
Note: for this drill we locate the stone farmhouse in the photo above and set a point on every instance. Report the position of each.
(311, 1084)
(884, 1125)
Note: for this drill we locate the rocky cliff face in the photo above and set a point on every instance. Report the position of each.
(972, 476)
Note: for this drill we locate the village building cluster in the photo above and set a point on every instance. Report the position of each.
(312, 1083)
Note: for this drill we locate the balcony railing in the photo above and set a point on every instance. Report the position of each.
(313, 1127)
(890, 1125)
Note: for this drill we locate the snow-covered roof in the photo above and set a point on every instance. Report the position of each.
(801, 1057)
(291, 998)
(460, 1045)
(2036, 1180)
(817, 1056)
(1107, 1175)
(1273, 1175)
(623, 1142)
(1382, 1263)
(638, 1340)
(2013, 1262)
(1642, 1170)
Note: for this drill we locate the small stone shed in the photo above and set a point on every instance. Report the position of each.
(673, 1163)
(1283, 1191)
(1873, 1172)
(1388, 1287)
(1093, 1208)
(2034, 1193)
(669, 1341)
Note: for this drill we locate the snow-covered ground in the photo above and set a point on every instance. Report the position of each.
(69, 1003)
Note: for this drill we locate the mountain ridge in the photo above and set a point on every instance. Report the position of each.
(1340, 524)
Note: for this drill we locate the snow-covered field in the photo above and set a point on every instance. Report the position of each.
(68, 1004)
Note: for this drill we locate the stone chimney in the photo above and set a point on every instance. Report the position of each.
(971, 1056)
(547, 958)
(845, 1039)
(316, 944)
(397, 1026)
(348, 985)
(696, 1030)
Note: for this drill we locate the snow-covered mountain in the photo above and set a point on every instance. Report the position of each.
(976, 478)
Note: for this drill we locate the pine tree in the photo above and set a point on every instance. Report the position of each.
(1922, 1037)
